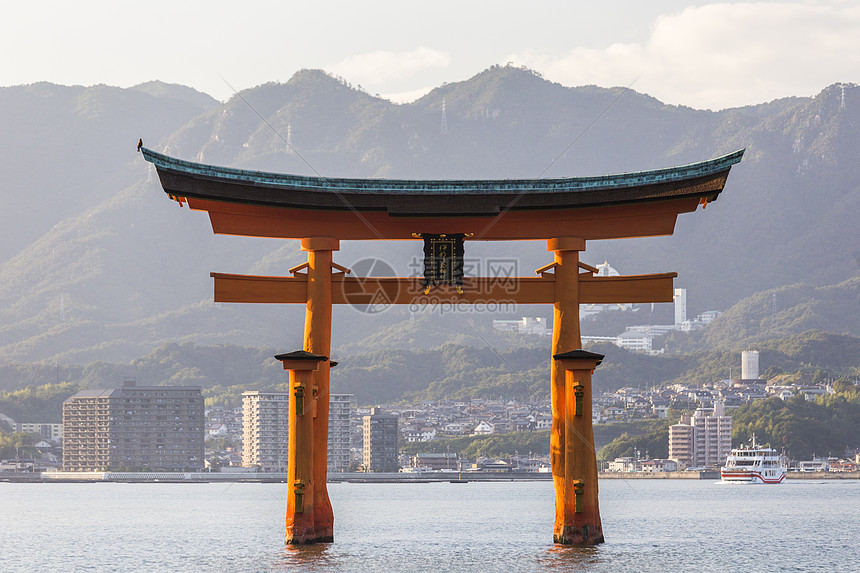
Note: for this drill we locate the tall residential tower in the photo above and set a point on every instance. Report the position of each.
(703, 439)
(265, 429)
(380, 442)
(134, 428)
(339, 426)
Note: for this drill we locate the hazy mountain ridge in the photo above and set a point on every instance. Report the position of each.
(65, 149)
(178, 92)
(98, 262)
(780, 313)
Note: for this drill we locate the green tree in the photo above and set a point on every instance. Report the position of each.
(16, 445)
(654, 442)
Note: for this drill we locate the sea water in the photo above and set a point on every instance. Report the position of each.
(649, 525)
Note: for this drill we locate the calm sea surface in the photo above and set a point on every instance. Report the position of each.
(650, 525)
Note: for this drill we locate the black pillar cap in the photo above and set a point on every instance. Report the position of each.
(579, 354)
(301, 355)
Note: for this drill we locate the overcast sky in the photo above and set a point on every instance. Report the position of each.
(700, 54)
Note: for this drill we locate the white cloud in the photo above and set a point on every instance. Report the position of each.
(725, 55)
(374, 68)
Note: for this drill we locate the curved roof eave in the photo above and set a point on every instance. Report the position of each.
(418, 187)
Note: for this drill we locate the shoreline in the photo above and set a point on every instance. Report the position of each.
(356, 477)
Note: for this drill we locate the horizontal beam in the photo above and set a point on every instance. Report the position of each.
(476, 290)
(649, 219)
(626, 289)
(260, 289)
(382, 290)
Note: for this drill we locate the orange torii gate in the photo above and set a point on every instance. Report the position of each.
(565, 213)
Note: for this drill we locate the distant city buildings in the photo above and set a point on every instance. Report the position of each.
(631, 464)
(46, 431)
(585, 310)
(433, 461)
(703, 439)
(659, 465)
(525, 325)
(380, 442)
(638, 338)
(484, 428)
(134, 428)
(624, 464)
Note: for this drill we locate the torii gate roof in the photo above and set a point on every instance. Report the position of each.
(255, 203)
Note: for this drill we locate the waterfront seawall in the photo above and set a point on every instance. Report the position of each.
(659, 475)
(250, 476)
(357, 477)
(823, 475)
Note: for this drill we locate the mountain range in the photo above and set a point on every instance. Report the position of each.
(96, 264)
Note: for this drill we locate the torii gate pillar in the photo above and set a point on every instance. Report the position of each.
(577, 515)
(318, 341)
(302, 482)
(580, 513)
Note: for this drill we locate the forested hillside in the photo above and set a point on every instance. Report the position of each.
(781, 312)
(826, 427)
(447, 372)
(96, 265)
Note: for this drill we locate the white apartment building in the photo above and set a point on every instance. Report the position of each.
(703, 439)
(627, 464)
(749, 364)
(680, 299)
(636, 341)
(265, 431)
(339, 426)
(681, 442)
(712, 436)
(46, 431)
(526, 325)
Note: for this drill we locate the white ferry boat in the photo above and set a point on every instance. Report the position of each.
(754, 464)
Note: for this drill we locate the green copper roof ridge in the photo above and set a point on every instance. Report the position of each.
(445, 186)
